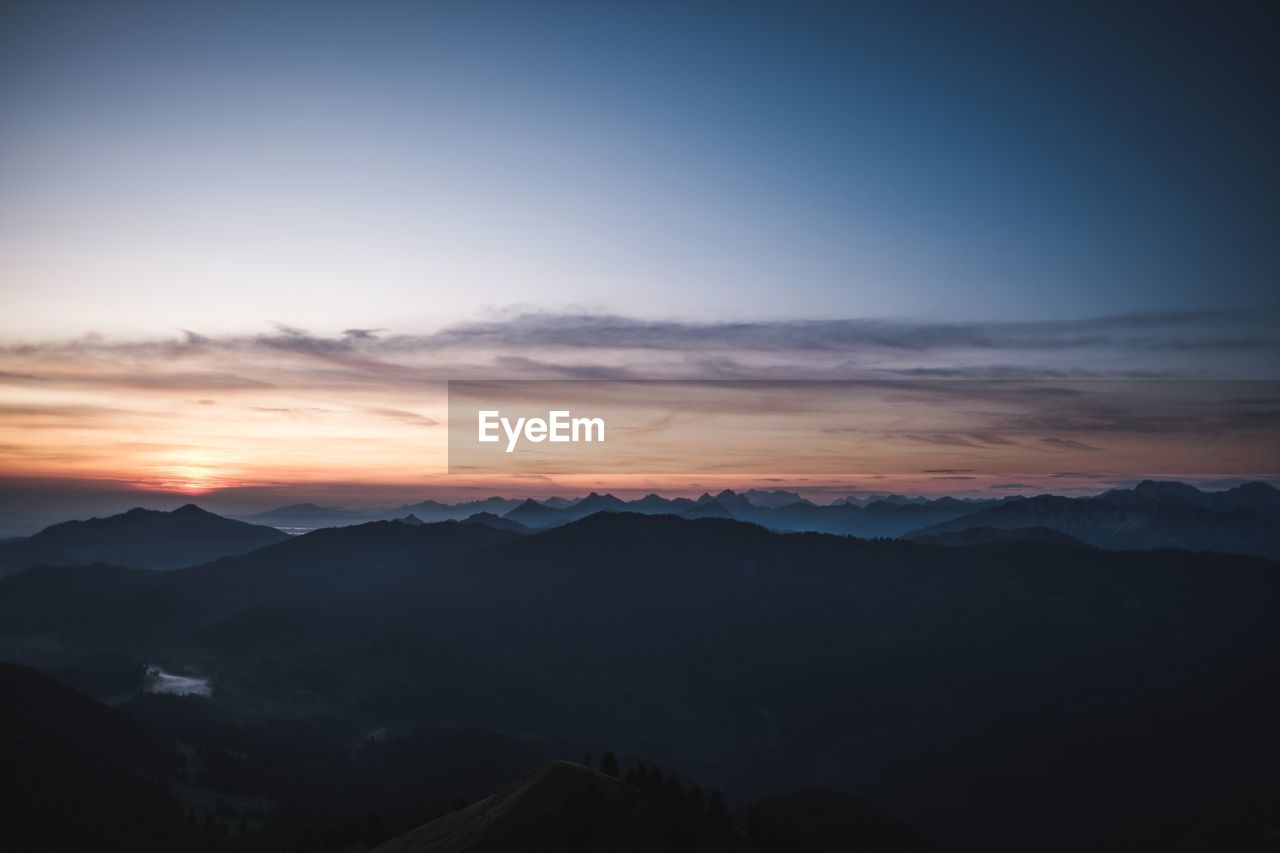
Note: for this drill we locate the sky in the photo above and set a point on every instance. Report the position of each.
(237, 240)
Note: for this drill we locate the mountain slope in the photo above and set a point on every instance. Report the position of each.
(569, 808)
(990, 535)
(1129, 525)
(431, 511)
(533, 514)
(76, 775)
(337, 564)
(497, 522)
(140, 538)
(307, 512)
(560, 806)
(1255, 496)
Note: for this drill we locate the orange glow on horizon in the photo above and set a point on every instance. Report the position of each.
(199, 423)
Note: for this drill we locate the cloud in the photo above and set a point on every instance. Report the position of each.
(612, 346)
(78, 415)
(947, 398)
(284, 410)
(991, 439)
(1152, 330)
(940, 440)
(403, 416)
(1067, 444)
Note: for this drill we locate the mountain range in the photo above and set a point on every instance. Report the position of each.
(1130, 523)
(973, 692)
(810, 660)
(1153, 514)
(308, 516)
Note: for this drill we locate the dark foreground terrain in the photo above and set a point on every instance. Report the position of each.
(759, 690)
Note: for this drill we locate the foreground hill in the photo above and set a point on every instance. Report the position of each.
(561, 806)
(76, 775)
(140, 538)
(568, 808)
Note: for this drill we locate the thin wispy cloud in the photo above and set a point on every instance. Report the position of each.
(1067, 444)
(403, 416)
(1151, 331)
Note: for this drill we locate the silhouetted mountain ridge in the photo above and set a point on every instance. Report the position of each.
(1150, 516)
(141, 538)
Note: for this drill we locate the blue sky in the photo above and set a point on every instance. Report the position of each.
(222, 167)
(243, 245)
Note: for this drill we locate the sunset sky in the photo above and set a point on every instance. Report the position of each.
(242, 246)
